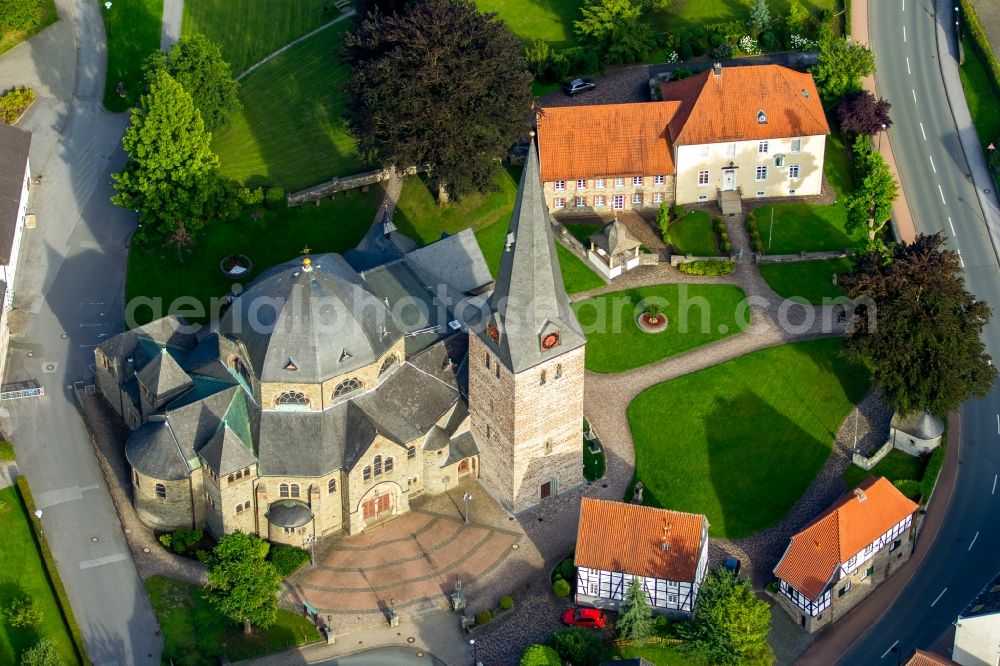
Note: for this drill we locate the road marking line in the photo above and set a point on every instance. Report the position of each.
(908, 65)
(914, 95)
(933, 168)
(942, 195)
(889, 650)
(939, 597)
(954, 234)
(107, 559)
(993, 492)
(960, 260)
(904, 33)
(998, 424)
(973, 541)
(922, 132)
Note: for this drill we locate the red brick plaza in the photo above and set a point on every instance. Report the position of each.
(411, 562)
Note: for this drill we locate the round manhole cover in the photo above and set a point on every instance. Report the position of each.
(411, 639)
(30, 354)
(420, 654)
(93, 539)
(145, 550)
(128, 531)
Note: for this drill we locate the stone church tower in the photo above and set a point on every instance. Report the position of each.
(526, 365)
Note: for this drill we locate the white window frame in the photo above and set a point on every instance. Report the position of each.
(703, 178)
(731, 150)
(659, 180)
(791, 192)
(636, 181)
(599, 200)
(657, 197)
(763, 147)
(619, 183)
(761, 194)
(793, 171)
(581, 184)
(615, 199)
(637, 198)
(599, 183)
(560, 185)
(779, 160)
(796, 146)
(581, 202)
(559, 203)
(760, 175)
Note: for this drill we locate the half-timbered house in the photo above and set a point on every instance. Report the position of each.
(666, 550)
(839, 558)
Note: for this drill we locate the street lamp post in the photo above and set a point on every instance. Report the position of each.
(880, 138)
(38, 514)
(466, 496)
(475, 653)
(311, 540)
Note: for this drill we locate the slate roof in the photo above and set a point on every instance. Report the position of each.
(987, 602)
(720, 108)
(461, 447)
(840, 533)
(614, 239)
(194, 421)
(144, 342)
(288, 513)
(605, 140)
(163, 375)
(413, 306)
(381, 244)
(455, 261)
(310, 315)
(14, 146)
(921, 425)
(530, 298)
(153, 451)
(628, 538)
(226, 452)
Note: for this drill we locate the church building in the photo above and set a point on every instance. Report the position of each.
(336, 388)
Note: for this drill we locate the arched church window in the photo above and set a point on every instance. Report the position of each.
(295, 398)
(295, 490)
(366, 474)
(378, 465)
(347, 386)
(387, 365)
(331, 486)
(161, 491)
(283, 490)
(388, 465)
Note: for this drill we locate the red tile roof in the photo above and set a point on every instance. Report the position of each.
(923, 658)
(853, 522)
(628, 538)
(605, 141)
(716, 109)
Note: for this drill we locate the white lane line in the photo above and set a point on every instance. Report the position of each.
(939, 597)
(960, 260)
(993, 492)
(931, 158)
(973, 541)
(914, 95)
(101, 561)
(904, 5)
(998, 424)
(908, 65)
(904, 33)
(889, 650)
(954, 234)
(922, 132)
(941, 192)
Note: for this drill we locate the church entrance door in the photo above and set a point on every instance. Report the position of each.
(375, 507)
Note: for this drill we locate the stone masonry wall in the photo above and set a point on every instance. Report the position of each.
(166, 513)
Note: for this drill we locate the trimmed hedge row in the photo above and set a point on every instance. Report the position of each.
(14, 102)
(982, 42)
(708, 267)
(52, 572)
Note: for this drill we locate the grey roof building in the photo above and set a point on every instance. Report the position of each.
(14, 146)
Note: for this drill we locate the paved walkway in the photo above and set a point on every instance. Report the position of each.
(292, 43)
(173, 18)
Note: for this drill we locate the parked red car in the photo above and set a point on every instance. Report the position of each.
(585, 617)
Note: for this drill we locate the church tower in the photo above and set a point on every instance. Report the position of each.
(526, 365)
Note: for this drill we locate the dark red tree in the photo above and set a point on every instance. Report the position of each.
(860, 113)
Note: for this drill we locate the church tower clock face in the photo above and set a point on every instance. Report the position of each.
(550, 340)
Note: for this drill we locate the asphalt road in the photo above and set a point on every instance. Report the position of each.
(942, 197)
(69, 283)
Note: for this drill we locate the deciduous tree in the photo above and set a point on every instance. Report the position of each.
(920, 335)
(798, 18)
(197, 64)
(635, 619)
(870, 205)
(242, 584)
(616, 28)
(442, 85)
(841, 66)
(578, 646)
(861, 113)
(171, 175)
(42, 653)
(540, 655)
(730, 624)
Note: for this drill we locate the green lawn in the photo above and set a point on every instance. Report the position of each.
(896, 466)
(743, 440)
(6, 450)
(811, 280)
(22, 574)
(291, 131)
(44, 16)
(658, 655)
(981, 93)
(804, 227)
(693, 234)
(249, 30)
(164, 273)
(695, 13)
(697, 314)
(195, 634)
(583, 232)
(550, 21)
(838, 164)
(133, 29)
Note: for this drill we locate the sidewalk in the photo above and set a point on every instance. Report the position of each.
(835, 641)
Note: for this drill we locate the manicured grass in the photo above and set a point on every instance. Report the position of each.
(165, 273)
(583, 232)
(45, 16)
(896, 466)
(803, 227)
(838, 165)
(700, 12)
(658, 655)
(811, 280)
(981, 94)
(697, 315)
(248, 30)
(551, 21)
(692, 234)
(133, 30)
(291, 131)
(6, 450)
(22, 574)
(743, 440)
(195, 634)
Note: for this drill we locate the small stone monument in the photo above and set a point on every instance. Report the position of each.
(458, 598)
(637, 494)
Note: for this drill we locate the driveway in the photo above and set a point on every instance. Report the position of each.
(69, 297)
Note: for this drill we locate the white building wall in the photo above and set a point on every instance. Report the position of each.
(745, 157)
(977, 641)
(7, 272)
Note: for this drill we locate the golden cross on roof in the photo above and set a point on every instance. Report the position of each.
(306, 250)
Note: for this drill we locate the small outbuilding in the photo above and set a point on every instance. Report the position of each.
(614, 249)
(917, 433)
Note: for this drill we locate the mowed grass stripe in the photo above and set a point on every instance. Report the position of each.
(291, 132)
(248, 30)
(743, 440)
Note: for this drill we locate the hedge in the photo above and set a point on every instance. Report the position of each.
(932, 471)
(982, 41)
(709, 267)
(14, 102)
(52, 572)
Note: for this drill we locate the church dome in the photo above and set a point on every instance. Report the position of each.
(308, 320)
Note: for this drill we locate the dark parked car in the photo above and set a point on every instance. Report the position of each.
(732, 564)
(585, 617)
(578, 86)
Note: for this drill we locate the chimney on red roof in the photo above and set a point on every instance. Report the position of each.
(860, 494)
(717, 69)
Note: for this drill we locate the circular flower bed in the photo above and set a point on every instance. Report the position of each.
(236, 265)
(650, 323)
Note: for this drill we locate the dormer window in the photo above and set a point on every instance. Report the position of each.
(550, 340)
(761, 117)
(290, 366)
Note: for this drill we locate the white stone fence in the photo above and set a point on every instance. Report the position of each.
(331, 187)
(867, 462)
(801, 256)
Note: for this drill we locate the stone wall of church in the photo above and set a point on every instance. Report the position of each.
(396, 482)
(491, 406)
(168, 510)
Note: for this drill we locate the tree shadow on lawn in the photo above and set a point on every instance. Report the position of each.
(13, 640)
